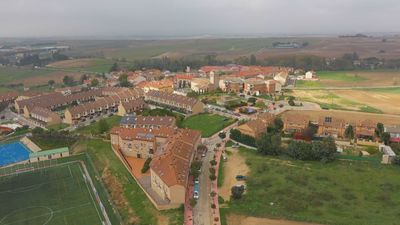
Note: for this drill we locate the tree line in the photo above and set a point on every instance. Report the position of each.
(348, 61)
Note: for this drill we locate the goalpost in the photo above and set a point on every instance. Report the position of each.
(17, 169)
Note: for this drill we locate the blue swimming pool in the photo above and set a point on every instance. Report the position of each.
(13, 153)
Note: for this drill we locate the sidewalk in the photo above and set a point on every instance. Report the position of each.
(188, 211)
(216, 220)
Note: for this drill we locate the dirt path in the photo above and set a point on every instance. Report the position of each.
(235, 165)
(243, 220)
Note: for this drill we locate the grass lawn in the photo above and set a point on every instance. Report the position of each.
(58, 127)
(93, 128)
(344, 192)
(124, 188)
(220, 180)
(208, 124)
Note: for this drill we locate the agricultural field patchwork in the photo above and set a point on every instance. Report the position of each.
(333, 100)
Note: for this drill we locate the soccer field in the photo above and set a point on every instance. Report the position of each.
(51, 196)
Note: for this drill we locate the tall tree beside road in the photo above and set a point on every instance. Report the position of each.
(349, 132)
(114, 67)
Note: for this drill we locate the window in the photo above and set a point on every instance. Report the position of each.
(328, 119)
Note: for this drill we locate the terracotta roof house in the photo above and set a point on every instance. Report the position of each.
(8, 97)
(175, 102)
(172, 151)
(365, 129)
(331, 126)
(170, 170)
(132, 106)
(105, 105)
(45, 116)
(295, 123)
(162, 85)
(152, 122)
(394, 134)
(255, 128)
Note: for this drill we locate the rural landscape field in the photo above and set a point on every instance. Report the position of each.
(220, 112)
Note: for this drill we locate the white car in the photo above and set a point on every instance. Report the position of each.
(196, 195)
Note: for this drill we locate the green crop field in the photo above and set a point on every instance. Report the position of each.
(208, 124)
(339, 76)
(344, 192)
(52, 196)
(11, 74)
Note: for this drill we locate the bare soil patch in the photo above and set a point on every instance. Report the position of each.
(387, 102)
(235, 165)
(243, 220)
(73, 63)
(117, 195)
(39, 80)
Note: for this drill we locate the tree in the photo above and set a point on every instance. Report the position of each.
(385, 138)
(276, 126)
(114, 67)
(95, 82)
(68, 81)
(195, 169)
(324, 151)
(83, 78)
(103, 126)
(213, 162)
(123, 81)
(380, 128)
(51, 82)
(396, 160)
(253, 60)
(222, 135)
(193, 202)
(237, 192)
(291, 101)
(349, 132)
(269, 144)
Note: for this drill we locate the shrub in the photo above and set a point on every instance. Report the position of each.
(237, 192)
(146, 165)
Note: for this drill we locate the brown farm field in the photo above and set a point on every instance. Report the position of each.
(314, 115)
(376, 100)
(73, 63)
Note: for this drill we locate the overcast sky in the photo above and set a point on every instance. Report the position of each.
(38, 18)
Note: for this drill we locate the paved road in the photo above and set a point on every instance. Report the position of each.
(202, 211)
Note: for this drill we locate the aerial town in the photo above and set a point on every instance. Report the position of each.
(176, 125)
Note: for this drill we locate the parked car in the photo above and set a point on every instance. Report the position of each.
(241, 177)
(196, 181)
